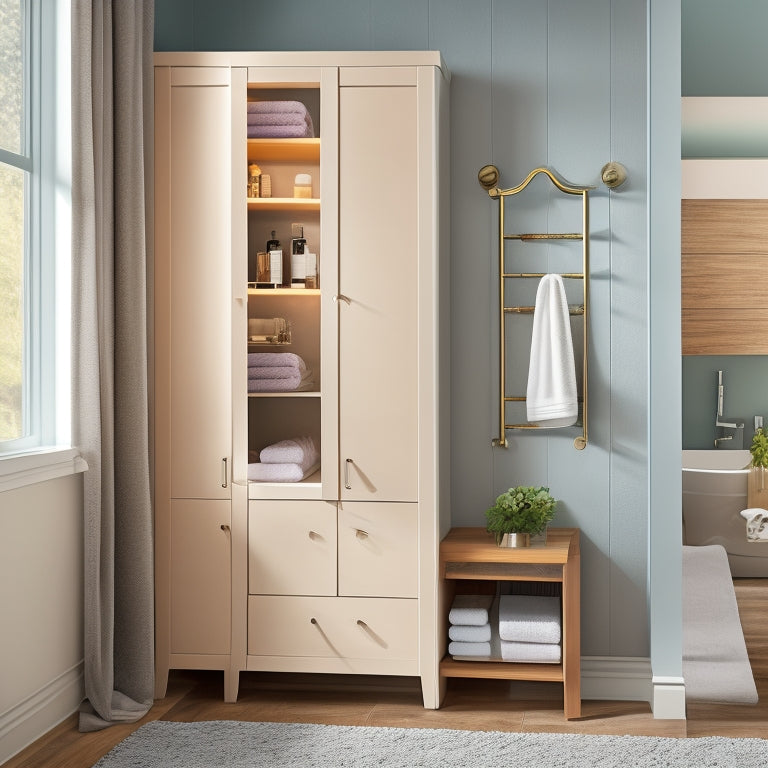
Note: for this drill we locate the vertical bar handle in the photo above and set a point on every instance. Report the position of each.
(346, 474)
(224, 472)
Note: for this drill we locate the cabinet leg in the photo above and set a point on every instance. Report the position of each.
(231, 685)
(161, 680)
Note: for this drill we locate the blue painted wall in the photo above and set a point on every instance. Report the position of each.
(555, 83)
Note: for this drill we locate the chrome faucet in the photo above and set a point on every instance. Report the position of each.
(720, 397)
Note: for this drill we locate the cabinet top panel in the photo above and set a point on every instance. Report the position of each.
(300, 59)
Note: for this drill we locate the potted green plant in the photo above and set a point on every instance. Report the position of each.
(519, 513)
(759, 451)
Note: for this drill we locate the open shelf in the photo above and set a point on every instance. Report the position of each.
(283, 203)
(501, 670)
(298, 150)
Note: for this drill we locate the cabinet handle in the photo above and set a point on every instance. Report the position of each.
(314, 535)
(224, 473)
(361, 623)
(361, 534)
(225, 528)
(313, 620)
(346, 474)
(341, 297)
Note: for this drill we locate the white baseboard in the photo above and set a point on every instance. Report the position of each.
(668, 698)
(33, 717)
(616, 678)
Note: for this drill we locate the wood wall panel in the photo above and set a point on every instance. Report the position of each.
(724, 276)
(724, 226)
(725, 332)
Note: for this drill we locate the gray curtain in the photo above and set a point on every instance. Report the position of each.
(112, 44)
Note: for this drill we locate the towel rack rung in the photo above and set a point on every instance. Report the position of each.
(569, 275)
(545, 236)
(573, 310)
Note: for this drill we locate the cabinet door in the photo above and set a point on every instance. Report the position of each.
(378, 318)
(200, 577)
(193, 281)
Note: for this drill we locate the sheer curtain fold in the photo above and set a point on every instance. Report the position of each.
(112, 43)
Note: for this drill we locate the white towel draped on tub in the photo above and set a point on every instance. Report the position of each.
(551, 399)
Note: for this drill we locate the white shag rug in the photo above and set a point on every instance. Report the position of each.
(716, 667)
(231, 744)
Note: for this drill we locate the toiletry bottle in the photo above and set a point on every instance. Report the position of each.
(275, 251)
(298, 261)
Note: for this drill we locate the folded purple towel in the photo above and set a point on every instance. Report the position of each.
(280, 132)
(287, 384)
(274, 359)
(273, 372)
(264, 107)
(279, 118)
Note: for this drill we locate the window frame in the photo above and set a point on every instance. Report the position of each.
(44, 451)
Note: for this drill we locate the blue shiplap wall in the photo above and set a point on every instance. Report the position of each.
(552, 82)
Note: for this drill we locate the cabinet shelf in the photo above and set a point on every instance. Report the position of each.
(299, 150)
(311, 393)
(501, 670)
(283, 204)
(253, 291)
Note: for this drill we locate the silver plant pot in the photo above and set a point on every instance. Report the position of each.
(516, 540)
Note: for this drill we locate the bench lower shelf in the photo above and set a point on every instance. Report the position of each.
(501, 670)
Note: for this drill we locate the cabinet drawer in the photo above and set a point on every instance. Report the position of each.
(378, 549)
(349, 628)
(292, 547)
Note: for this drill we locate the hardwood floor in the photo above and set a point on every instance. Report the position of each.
(469, 704)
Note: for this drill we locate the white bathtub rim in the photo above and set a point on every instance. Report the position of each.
(717, 461)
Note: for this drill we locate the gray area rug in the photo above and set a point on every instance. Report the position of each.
(230, 744)
(716, 667)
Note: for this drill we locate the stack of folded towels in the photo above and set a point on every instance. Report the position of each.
(288, 461)
(530, 628)
(277, 372)
(470, 625)
(279, 120)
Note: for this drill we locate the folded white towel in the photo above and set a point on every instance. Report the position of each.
(538, 652)
(529, 619)
(256, 359)
(470, 609)
(298, 381)
(279, 473)
(551, 399)
(297, 450)
(456, 648)
(470, 634)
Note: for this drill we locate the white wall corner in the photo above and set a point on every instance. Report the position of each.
(668, 698)
(616, 678)
(37, 714)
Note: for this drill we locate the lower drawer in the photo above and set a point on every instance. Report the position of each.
(333, 627)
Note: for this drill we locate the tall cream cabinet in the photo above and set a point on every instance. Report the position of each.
(342, 349)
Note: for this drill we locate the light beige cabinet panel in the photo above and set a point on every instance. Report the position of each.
(200, 576)
(292, 547)
(378, 549)
(349, 628)
(378, 276)
(198, 292)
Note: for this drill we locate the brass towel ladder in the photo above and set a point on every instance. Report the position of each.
(488, 177)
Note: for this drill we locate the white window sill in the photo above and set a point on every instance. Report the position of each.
(40, 465)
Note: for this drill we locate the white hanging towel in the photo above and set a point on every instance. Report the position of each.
(551, 400)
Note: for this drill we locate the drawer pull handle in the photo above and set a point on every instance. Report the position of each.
(360, 533)
(313, 620)
(346, 474)
(361, 623)
(225, 528)
(341, 297)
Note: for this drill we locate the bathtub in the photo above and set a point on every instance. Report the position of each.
(714, 493)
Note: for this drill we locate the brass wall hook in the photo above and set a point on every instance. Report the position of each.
(488, 176)
(613, 175)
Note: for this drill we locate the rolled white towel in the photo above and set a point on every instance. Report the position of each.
(532, 652)
(456, 648)
(529, 619)
(470, 609)
(297, 450)
(470, 634)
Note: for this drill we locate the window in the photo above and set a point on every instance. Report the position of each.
(33, 198)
